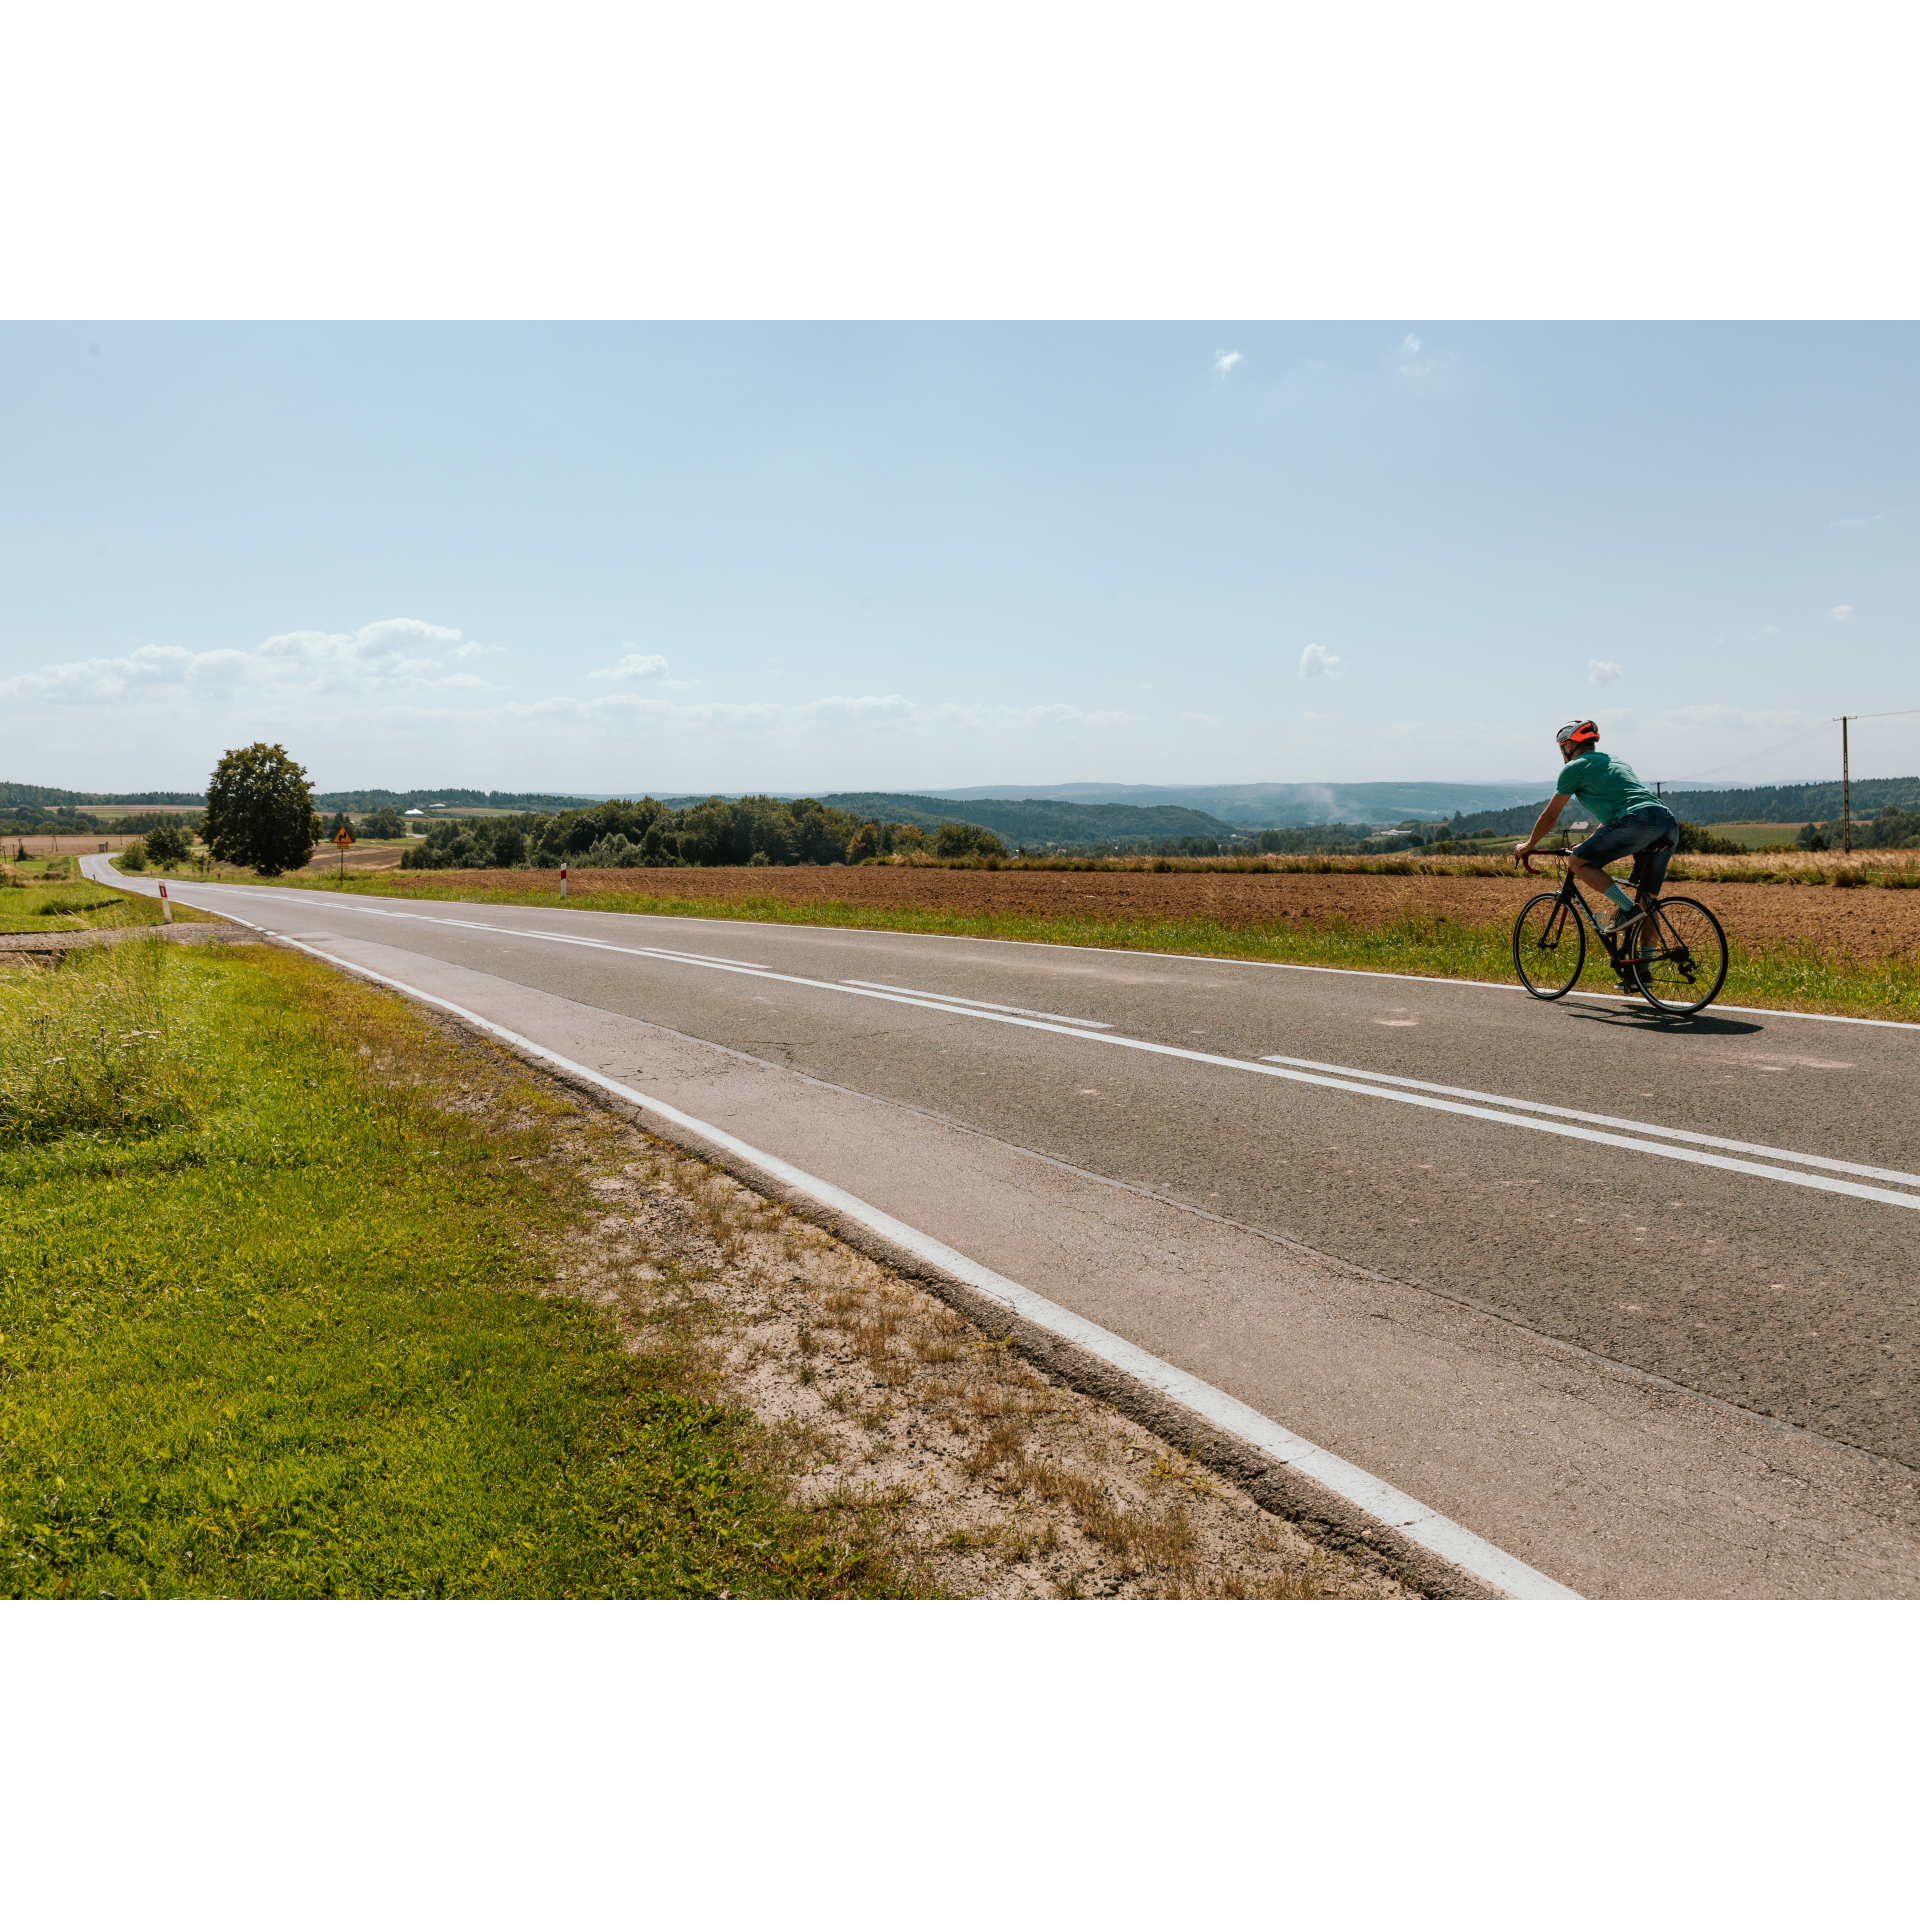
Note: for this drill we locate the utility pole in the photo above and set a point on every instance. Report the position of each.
(1846, 788)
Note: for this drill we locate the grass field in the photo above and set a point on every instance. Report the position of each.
(46, 896)
(1788, 972)
(275, 1320)
(1763, 833)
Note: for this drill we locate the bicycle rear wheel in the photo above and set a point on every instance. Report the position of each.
(1549, 946)
(1683, 960)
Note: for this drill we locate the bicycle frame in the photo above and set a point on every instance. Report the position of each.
(1654, 956)
(1571, 898)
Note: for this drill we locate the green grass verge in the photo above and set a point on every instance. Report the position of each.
(32, 903)
(1800, 977)
(272, 1321)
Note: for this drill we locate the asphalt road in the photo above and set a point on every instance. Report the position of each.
(1304, 1186)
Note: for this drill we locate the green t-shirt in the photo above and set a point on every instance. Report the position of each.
(1606, 787)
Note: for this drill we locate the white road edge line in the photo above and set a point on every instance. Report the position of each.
(1387, 1504)
(1044, 1024)
(1144, 953)
(1604, 1120)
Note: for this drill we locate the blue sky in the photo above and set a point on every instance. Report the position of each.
(685, 557)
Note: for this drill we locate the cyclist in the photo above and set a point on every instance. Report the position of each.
(1632, 821)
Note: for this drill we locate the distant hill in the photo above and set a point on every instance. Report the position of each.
(1280, 804)
(369, 799)
(1818, 800)
(1037, 823)
(14, 794)
(1516, 820)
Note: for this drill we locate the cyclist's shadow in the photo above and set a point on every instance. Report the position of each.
(1646, 1019)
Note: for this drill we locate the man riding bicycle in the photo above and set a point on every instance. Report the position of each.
(1632, 822)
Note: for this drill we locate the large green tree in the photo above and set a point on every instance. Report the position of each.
(260, 810)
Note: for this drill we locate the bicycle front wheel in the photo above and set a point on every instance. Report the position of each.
(1549, 946)
(1683, 959)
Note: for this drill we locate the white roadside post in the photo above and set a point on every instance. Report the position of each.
(563, 879)
(166, 905)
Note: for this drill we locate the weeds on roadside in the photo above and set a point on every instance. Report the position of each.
(97, 1045)
(302, 1339)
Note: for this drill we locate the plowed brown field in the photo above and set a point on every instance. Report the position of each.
(1867, 923)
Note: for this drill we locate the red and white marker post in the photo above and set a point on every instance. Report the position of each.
(563, 879)
(166, 905)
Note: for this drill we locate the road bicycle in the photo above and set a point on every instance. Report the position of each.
(1676, 958)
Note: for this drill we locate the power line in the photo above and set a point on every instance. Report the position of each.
(1781, 747)
(1898, 713)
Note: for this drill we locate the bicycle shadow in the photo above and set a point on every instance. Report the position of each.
(1645, 1019)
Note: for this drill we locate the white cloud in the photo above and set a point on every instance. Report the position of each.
(1769, 629)
(634, 666)
(1866, 521)
(1411, 344)
(387, 657)
(1199, 719)
(1601, 673)
(1316, 663)
(1225, 360)
(1842, 614)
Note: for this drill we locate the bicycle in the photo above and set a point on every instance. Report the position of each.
(1679, 961)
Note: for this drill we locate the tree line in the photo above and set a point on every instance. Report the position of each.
(1891, 827)
(755, 831)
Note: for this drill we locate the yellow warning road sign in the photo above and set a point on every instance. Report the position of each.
(343, 839)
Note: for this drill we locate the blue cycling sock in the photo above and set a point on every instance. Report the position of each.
(1617, 896)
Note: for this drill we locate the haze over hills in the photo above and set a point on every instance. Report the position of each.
(1038, 823)
(1285, 804)
(1174, 811)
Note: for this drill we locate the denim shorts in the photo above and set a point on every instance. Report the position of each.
(1649, 834)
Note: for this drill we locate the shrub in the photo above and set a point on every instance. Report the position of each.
(134, 859)
(616, 850)
(168, 844)
(960, 839)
